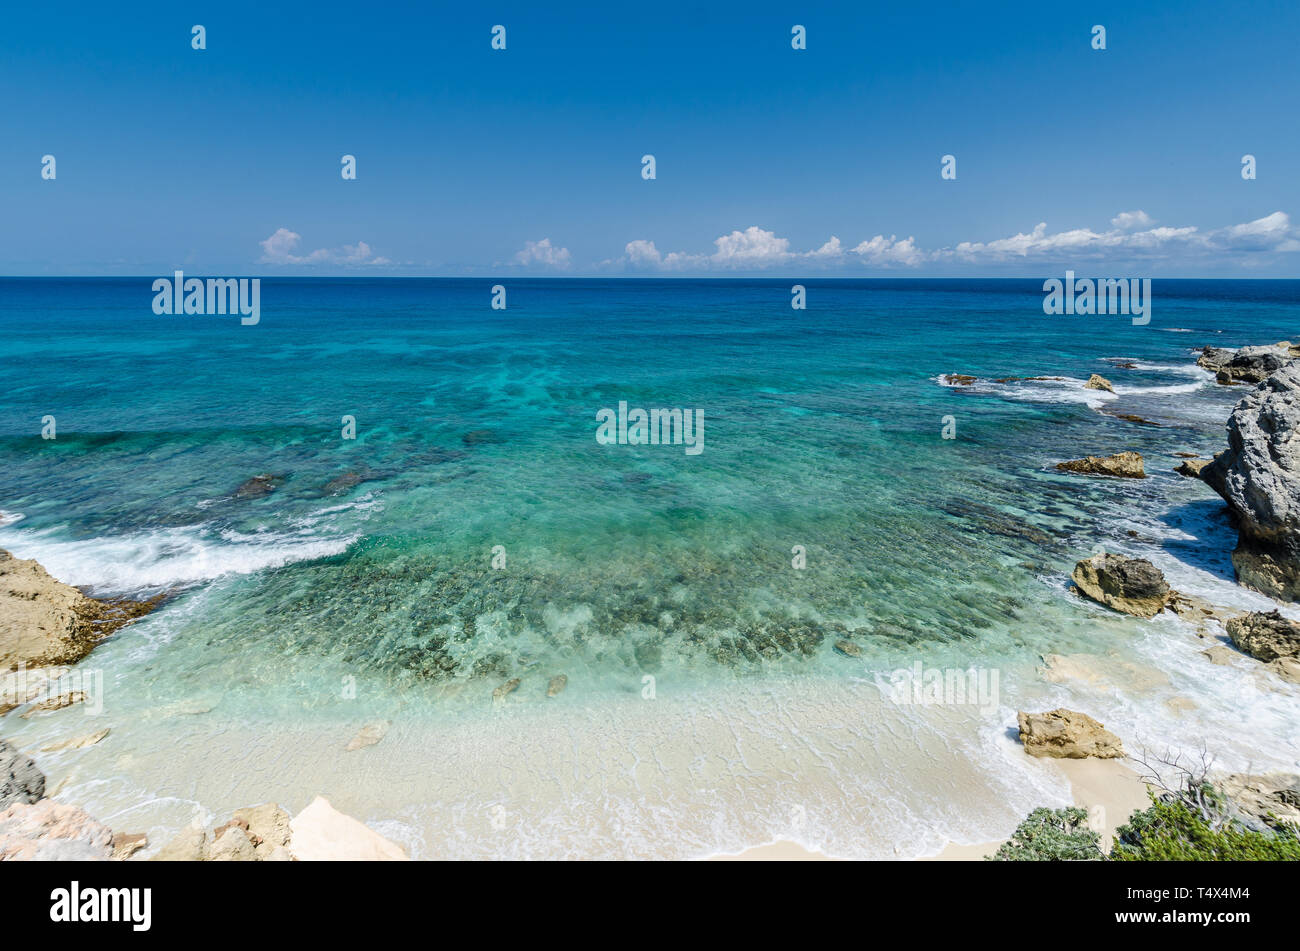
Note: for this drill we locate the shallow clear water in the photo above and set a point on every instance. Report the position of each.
(363, 587)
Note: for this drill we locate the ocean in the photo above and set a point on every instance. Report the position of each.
(475, 531)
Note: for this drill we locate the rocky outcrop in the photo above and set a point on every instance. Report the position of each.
(45, 622)
(1192, 467)
(1098, 382)
(1131, 585)
(259, 486)
(1067, 734)
(957, 379)
(1258, 475)
(1125, 465)
(848, 648)
(322, 833)
(1265, 637)
(20, 780)
(1247, 365)
(52, 831)
(557, 685)
(1271, 800)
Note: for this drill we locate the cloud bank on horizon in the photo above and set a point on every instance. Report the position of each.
(1132, 237)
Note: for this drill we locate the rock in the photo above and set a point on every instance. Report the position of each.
(1250, 365)
(57, 702)
(189, 845)
(341, 483)
(1126, 465)
(279, 854)
(232, 845)
(126, 844)
(77, 742)
(1288, 668)
(1214, 358)
(1131, 585)
(44, 622)
(1265, 637)
(957, 379)
(1258, 475)
(505, 690)
(322, 833)
(1220, 655)
(368, 735)
(1098, 382)
(649, 657)
(52, 831)
(1131, 418)
(259, 486)
(848, 648)
(1272, 800)
(1192, 467)
(267, 826)
(20, 780)
(557, 685)
(1066, 734)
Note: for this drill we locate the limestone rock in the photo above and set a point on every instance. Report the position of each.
(848, 648)
(20, 780)
(368, 735)
(126, 844)
(1067, 734)
(1258, 475)
(322, 833)
(1130, 585)
(189, 845)
(232, 845)
(1192, 467)
(1127, 465)
(45, 622)
(267, 826)
(1266, 637)
(1098, 382)
(507, 688)
(52, 831)
(76, 742)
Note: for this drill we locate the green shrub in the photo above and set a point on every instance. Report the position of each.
(1051, 835)
(1172, 831)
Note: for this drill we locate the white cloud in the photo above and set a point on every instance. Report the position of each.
(757, 249)
(883, 252)
(752, 247)
(543, 254)
(280, 248)
(1127, 220)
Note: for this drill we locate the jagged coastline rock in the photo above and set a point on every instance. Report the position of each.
(44, 622)
(1247, 365)
(20, 780)
(1258, 475)
(1098, 382)
(1265, 636)
(1067, 734)
(52, 831)
(1124, 465)
(1130, 585)
(957, 379)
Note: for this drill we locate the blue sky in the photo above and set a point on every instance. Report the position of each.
(476, 162)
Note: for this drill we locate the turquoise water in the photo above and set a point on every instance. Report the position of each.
(371, 562)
